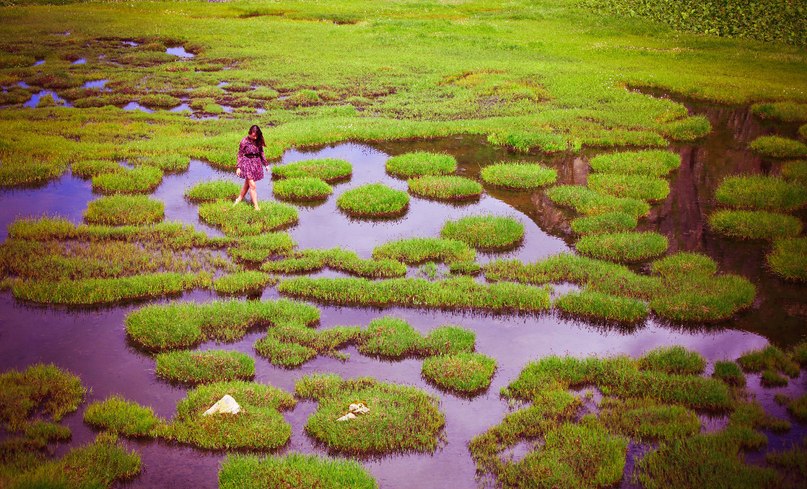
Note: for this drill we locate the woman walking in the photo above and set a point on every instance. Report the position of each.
(250, 164)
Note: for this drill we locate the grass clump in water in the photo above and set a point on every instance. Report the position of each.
(107, 290)
(290, 345)
(795, 171)
(93, 168)
(796, 407)
(41, 389)
(651, 163)
(648, 420)
(302, 189)
(328, 169)
(673, 360)
(421, 163)
(761, 192)
(788, 259)
(401, 418)
(466, 373)
(243, 220)
(625, 247)
(591, 203)
(202, 367)
(754, 224)
(246, 282)
(610, 222)
(183, 325)
(261, 247)
(592, 304)
(729, 372)
(373, 200)
(347, 261)
(783, 111)
(486, 232)
(519, 176)
(140, 180)
(390, 337)
(770, 359)
(445, 187)
(121, 416)
(456, 293)
(293, 470)
(779, 147)
(770, 378)
(630, 186)
(413, 251)
(118, 210)
(212, 191)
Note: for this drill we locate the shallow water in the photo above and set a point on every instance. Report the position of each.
(92, 342)
(96, 84)
(137, 106)
(180, 52)
(35, 98)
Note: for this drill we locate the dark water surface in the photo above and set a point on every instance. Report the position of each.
(92, 343)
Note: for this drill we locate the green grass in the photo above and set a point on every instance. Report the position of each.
(43, 390)
(93, 168)
(651, 163)
(421, 163)
(788, 259)
(183, 325)
(140, 180)
(457, 293)
(673, 360)
(121, 416)
(590, 203)
(729, 372)
(771, 378)
(682, 265)
(783, 111)
(797, 407)
(703, 298)
(625, 247)
(293, 470)
(445, 187)
(107, 290)
(118, 210)
(290, 345)
(610, 222)
(401, 418)
(243, 220)
(799, 353)
(465, 268)
(413, 251)
(259, 248)
(596, 305)
(390, 337)
(639, 187)
(761, 225)
(466, 373)
(347, 261)
(328, 169)
(198, 367)
(795, 171)
(769, 358)
(301, 189)
(246, 282)
(778, 147)
(212, 191)
(519, 176)
(761, 192)
(485, 232)
(646, 420)
(373, 200)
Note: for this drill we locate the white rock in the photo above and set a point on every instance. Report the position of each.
(347, 417)
(225, 405)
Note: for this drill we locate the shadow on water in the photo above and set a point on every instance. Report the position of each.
(92, 343)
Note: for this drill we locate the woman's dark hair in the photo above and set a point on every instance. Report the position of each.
(257, 130)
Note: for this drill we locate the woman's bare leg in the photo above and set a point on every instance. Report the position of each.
(243, 193)
(253, 193)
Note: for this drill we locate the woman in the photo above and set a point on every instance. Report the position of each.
(250, 164)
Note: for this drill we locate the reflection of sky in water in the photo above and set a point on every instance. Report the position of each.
(130, 43)
(39, 62)
(96, 84)
(181, 108)
(35, 98)
(80, 61)
(137, 106)
(179, 51)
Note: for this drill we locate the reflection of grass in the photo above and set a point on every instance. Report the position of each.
(467, 373)
(652, 163)
(778, 147)
(623, 247)
(196, 367)
(327, 169)
(419, 250)
(754, 224)
(632, 186)
(243, 220)
(761, 192)
(788, 259)
(212, 191)
(445, 187)
(373, 200)
(301, 188)
(521, 176)
(293, 470)
(486, 232)
(420, 163)
(591, 203)
(119, 210)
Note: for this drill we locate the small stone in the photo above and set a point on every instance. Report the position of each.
(225, 405)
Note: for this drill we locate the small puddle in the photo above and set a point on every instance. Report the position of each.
(260, 110)
(179, 51)
(222, 84)
(39, 62)
(80, 61)
(183, 107)
(227, 109)
(137, 106)
(100, 84)
(37, 97)
(22, 84)
(130, 44)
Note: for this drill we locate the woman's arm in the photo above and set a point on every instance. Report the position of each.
(263, 158)
(240, 155)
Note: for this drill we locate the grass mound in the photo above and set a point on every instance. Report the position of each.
(140, 180)
(302, 189)
(243, 220)
(610, 222)
(729, 372)
(183, 325)
(212, 191)
(631, 186)
(795, 171)
(401, 418)
(390, 337)
(647, 420)
(769, 359)
(247, 282)
(761, 192)
(651, 163)
(788, 259)
(466, 373)
(485, 232)
(291, 345)
(293, 470)
(519, 176)
(421, 163)
(597, 305)
(755, 225)
(121, 416)
(118, 210)
(445, 187)
(202, 367)
(41, 389)
(623, 247)
(591, 203)
(261, 247)
(373, 200)
(456, 293)
(419, 250)
(673, 360)
(347, 261)
(93, 168)
(328, 169)
(779, 147)
(683, 264)
(783, 111)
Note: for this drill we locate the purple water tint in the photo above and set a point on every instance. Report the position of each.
(130, 44)
(183, 107)
(39, 62)
(100, 84)
(179, 51)
(137, 106)
(35, 98)
(79, 61)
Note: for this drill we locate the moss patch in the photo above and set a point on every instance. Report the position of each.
(198, 367)
(120, 210)
(243, 220)
(788, 259)
(327, 169)
(466, 373)
(519, 176)
(373, 200)
(293, 470)
(631, 186)
(41, 388)
(487, 232)
(445, 187)
(302, 189)
(761, 192)
(779, 147)
(212, 191)
(421, 163)
(651, 163)
(754, 225)
(623, 247)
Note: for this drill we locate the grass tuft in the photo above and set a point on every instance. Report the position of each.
(419, 164)
(761, 192)
(590, 203)
(519, 176)
(754, 225)
(771, 359)
(328, 169)
(120, 416)
(93, 168)
(140, 180)
(373, 200)
(120, 210)
(729, 372)
(413, 251)
(610, 222)
(445, 187)
(783, 111)
(673, 360)
(302, 189)
(212, 191)
(243, 220)
(486, 232)
(591, 304)
(651, 163)
(201, 367)
(247, 282)
(639, 187)
(41, 389)
(779, 147)
(795, 171)
(788, 259)
(625, 247)
(466, 373)
(293, 470)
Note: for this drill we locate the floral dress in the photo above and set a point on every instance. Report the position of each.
(251, 160)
